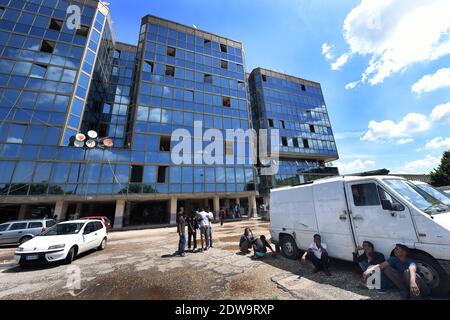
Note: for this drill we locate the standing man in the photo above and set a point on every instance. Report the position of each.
(181, 227)
(402, 271)
(318, 255)
(211, 220)
(203, 223)
(192, 231)
(222, 216)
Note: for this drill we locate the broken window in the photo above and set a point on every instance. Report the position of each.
(207, 78)
(82, 31)
(284, 141)
(223, 48)
(47, 46)
(303, 87)
(226, 102)
(56, 24)
(295, 142)
(224, 64)
(283, 124)
(148, 66)
(207, 43)
(162, 174)
(264, 77)
(137, 173)
(164, 143)
(305, 143)
(170, 71)
(312, 128)
(38, 71)
(171, 51)
(271, 123)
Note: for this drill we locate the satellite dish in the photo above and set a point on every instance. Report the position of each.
(91, 144)
(78, 144)
(93, 134)
(108, 142)
(80, 137)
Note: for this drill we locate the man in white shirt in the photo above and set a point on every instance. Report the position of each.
(318, 255)
(203, 222)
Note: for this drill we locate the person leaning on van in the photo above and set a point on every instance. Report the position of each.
(402, 271)
(318, 255)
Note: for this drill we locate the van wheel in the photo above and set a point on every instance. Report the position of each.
(70, 256)
(433, 274)
(25, 239)
(289, 248)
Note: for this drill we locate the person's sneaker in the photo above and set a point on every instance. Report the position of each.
(183, 255)
(382, 291)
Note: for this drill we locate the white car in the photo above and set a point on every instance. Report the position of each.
(63, 242)
(435, 193)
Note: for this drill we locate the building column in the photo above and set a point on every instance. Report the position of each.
(23, 212)
(61, 210)
(217, 205)
(78, 210)
(173, 210)
(120, 211)
(253, 210)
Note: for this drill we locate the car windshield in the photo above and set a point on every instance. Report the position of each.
(3, 227)
(417, 196)
(63, 229)
(441, 196)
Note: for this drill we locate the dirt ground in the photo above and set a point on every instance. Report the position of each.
(140, 265)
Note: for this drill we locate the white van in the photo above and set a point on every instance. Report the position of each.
(346, 211)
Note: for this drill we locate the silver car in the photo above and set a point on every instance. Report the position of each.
(18, 232)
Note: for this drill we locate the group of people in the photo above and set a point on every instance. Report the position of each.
(259, 245)
(398, 271)
(200, 221)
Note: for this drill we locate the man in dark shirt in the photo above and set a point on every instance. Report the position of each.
(373, 258)
(181, 228)
(260, 246)
(402, 271)
(192, 231)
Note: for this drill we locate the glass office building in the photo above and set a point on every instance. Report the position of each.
(296, 107)
(57, 81)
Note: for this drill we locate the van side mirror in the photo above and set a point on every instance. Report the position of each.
(387, 205)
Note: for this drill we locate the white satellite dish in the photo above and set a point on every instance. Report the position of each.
(79, 144)
(93, 134)
(91, 144)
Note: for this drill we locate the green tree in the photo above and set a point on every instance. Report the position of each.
(440, 177)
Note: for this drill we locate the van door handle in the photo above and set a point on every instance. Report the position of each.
(358, 218)
(343, 217)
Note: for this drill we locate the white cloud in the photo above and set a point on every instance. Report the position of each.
(340, 62)
(431, 82)
(411, 124)
(327, 51)
(354, 166)
(438, 143)
(405, 141)
(441, 113)
(352, 85)
(396, 34)
(423, 166)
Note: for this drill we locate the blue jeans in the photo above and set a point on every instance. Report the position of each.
(210, 237)
(385, 283)
(182, 244)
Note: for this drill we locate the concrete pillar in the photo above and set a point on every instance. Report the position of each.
(23, 212)
(253, 211)
(217, 205)
(61, 210)
(173, 210)
(78, 210)
(120, 211)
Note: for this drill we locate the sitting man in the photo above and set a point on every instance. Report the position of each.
(260, 246)
(373, 258)
(402, 271)
(318, 255)
(246, 241)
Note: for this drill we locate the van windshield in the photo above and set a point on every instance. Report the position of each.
(417, 196)
(441, 196)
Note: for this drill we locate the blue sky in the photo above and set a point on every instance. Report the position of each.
(383, 64)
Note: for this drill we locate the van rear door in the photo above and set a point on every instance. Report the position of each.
(333, 219)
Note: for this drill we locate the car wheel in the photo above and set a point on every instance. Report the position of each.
(25, 239)
(289, 248)
(103, 244)
(432, 273)
(70, 256)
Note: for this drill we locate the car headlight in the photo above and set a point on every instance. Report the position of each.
(59, 246)
(20, 249)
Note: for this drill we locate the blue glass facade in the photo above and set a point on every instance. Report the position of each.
(296, 107)
(56, 82)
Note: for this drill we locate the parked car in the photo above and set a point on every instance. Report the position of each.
(349, 210)
(105, 220)
(18, 232)
(436, 193)
(63, 242)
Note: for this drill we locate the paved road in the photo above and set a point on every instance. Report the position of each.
(138, 265)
